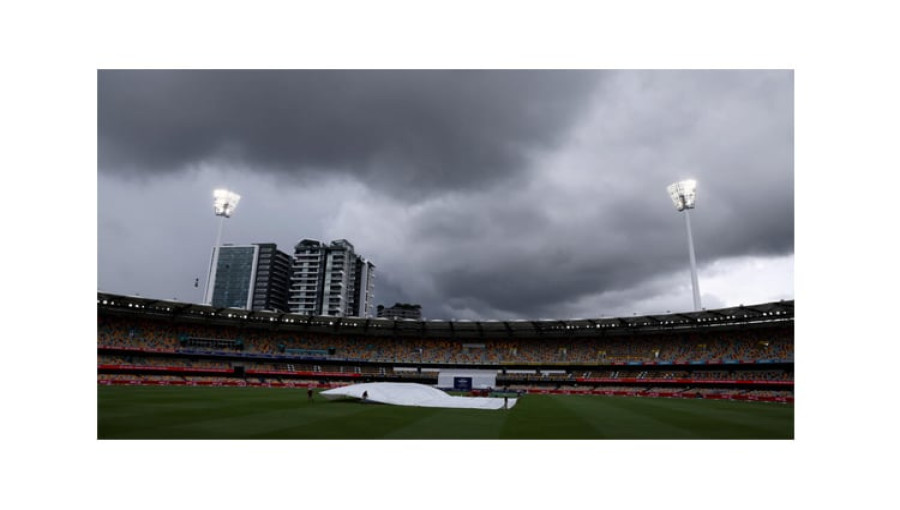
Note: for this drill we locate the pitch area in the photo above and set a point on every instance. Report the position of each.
(178, 412)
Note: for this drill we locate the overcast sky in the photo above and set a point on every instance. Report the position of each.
(477, 194)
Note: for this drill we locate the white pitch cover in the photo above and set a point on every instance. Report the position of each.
(413, 394)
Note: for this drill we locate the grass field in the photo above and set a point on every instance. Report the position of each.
(176, 412)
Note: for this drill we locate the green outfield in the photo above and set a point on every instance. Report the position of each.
(177, 412)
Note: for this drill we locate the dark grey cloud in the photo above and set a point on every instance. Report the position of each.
(399, 130)
(490, 194)
(608, 225)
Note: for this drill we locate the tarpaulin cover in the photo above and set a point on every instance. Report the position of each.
(413, 394)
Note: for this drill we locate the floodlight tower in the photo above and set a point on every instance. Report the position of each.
(224, 203)
(684, 195)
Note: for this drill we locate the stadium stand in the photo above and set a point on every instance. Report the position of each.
(739, 353)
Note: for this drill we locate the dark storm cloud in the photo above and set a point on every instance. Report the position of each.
(608, 225)
(393, 129)
(495, 194)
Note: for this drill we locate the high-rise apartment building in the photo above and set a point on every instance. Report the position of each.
(273, 279)
(331, 280)
(307, 277)
(252, 277)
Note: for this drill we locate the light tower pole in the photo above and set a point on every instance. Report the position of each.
(684, 195)
(224, 203)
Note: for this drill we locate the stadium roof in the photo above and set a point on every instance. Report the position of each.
(765, 314)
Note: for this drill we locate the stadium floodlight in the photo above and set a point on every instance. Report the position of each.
(224, 204)
(684, 195)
